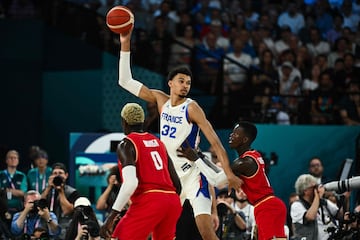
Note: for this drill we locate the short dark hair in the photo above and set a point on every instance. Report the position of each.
(41, 154)
(315, 157)
(114, 171)
(177, 70)
(249, 129)
(59, 165)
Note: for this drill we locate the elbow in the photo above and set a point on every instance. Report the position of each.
(120, 82)
(68, 211)
(310, 217)
(100, 206)
(123, 80)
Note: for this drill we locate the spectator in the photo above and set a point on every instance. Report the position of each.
(339, 76)
(323, 101)
(60, 196)
(14, 182)
(349, 105)
(323, 17)
(236, 79)
(351, 20)
(265, 81)
(290, 84)
(292, 18)
(107, 198)
(182, 48)
(222, 40)
(251, 16)
(232, 223)
(84, 224)
(336, 31)
(161, 39)
(38, 177)
(321, 60)
(243, 206)
(316, 46)
(316, 170)
(143, 47)
(36, 213)
(304, 61)
(248, 48)
(264, 34)
(312, 215)
(184, 21)
(283, 43)
(351, 72)
(40, 233)
(276, 112)
(311, 83)
(209, 59)
(170, 16)
(32, 153)
(339, 50)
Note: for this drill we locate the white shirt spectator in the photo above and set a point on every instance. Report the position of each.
(237, 74)
(309, 85)
(323, 216)
(321, 48)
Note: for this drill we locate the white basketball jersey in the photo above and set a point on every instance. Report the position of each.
(174, 129)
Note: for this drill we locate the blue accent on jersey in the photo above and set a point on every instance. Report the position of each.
(192, 137)
(204, 189)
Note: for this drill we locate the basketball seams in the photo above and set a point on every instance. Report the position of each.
(123, 15)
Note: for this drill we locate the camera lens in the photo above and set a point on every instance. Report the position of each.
(58, 180)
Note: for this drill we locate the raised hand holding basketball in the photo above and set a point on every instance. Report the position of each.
(120, 19)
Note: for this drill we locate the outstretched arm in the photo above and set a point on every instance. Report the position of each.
(125, 76)
(197, 116)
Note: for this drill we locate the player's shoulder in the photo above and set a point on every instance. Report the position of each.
(124, 143)
(193, 105)
(161, 96)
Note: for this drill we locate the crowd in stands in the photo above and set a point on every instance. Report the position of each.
(39, 203)
(284, 62)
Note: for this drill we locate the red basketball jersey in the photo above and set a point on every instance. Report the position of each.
(151, 164)
(257, 187)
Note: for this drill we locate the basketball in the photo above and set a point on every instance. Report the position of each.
(120, 19)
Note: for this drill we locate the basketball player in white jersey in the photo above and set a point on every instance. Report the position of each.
(181, 118)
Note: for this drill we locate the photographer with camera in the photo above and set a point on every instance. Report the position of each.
(232, 223)
(108, 197)
(35, 214)
(60, 196)
(312, 215)
(84, 224)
